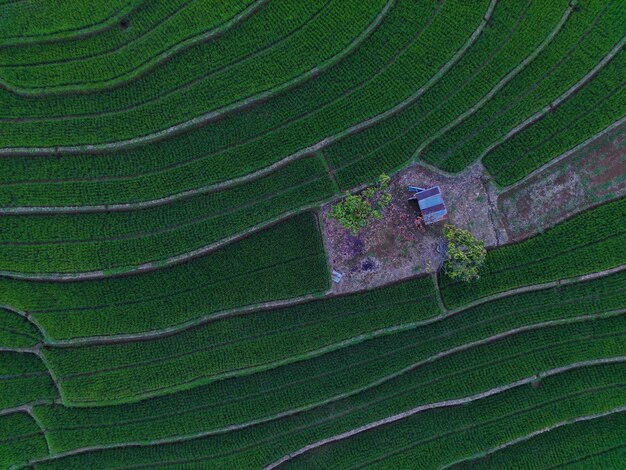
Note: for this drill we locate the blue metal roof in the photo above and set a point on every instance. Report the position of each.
(431, 205)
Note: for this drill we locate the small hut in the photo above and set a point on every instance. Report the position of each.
(429, 203)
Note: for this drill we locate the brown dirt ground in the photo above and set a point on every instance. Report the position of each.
(393, 248)
(594, 174)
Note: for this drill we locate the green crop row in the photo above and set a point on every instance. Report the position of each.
(177, 24)
(591, 110)
(252, 270)
(103, 179)
(438, 437)
(105, 240)
(338, 28)
(235, 343)
(17, 331)
(118, 372)
(331, 376)
(23, 22)
(589, 242)
(24, 379)
(103, 39)
(21, 439)
(271, 24)
(517, 30)
(455, 376)
(586, 39)
(596, 443)
(255, 153)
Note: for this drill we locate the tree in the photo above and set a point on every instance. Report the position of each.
(466, 254)
(354, 213)
(357, 211)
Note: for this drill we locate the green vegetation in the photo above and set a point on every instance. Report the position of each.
(579, 47)
(233, 344)
(16, 331)
(24, 379)
(250, 271)
(390, 362)
(106, 240)
(165, 291)
(595, 443)
(464, 430)
(185, 23)
(21, 439)
(589, 242)
(466, 254)
(357, 211)
(261, 444)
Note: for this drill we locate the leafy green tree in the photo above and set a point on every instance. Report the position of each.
(466, 254)
(384, 200)
(354, 213)
(357, 211)
(383, 181)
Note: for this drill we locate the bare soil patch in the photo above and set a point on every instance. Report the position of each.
(393, 248)
(588, 177)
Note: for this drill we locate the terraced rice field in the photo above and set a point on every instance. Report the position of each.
(165, 280)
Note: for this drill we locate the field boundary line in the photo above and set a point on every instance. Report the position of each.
(306, 152)
(443, 310)
(155, 334)
(25, 408)
(557, 102)
(588, 456)
(441, 404)
(178, 88)
(181, 5)
(503, 82)
(341, 396)
(522, 94)
(555, 161)
(381, 331)
(196, 220)
(545, 285)
(169, 331)
(331, 172)
(29, 318)
(549, 258)
(28, 409)
(73, 33)
(120, 206)
(149, 204)
(163, 263)
(211, 115)
(142, 69)
(348, 343)
(538, 432)
(36, 350)
(338, 395)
